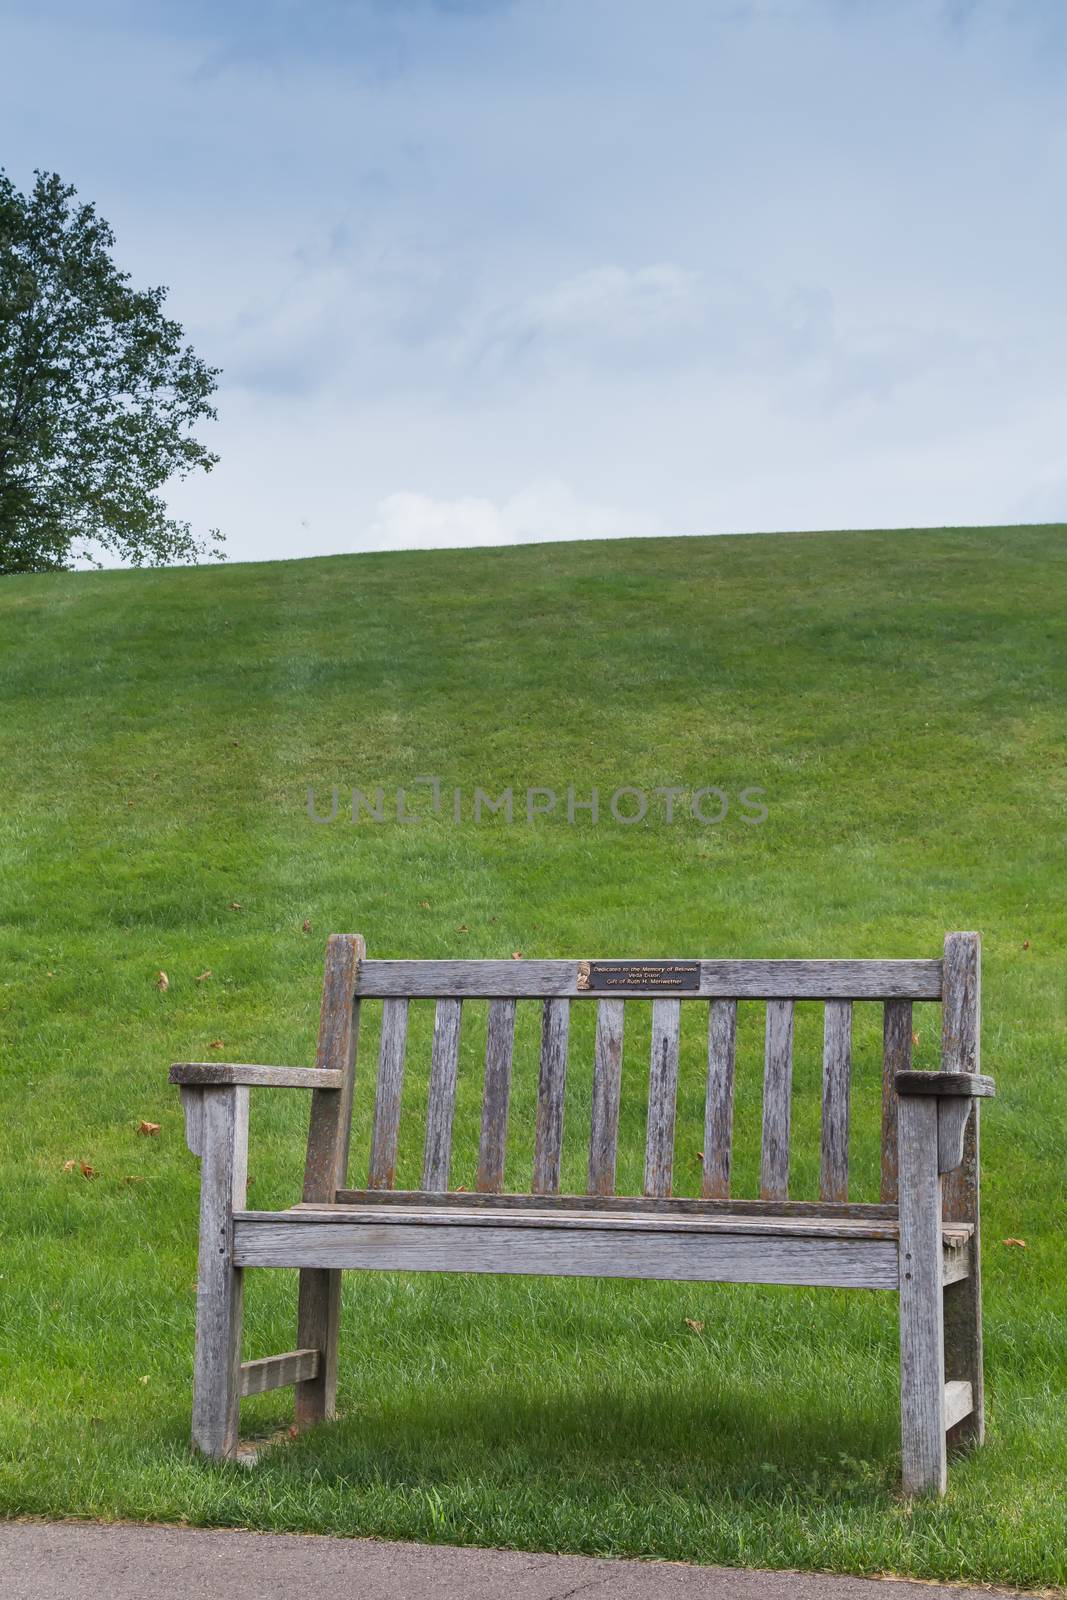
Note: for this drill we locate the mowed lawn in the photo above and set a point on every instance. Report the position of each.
(900, 698)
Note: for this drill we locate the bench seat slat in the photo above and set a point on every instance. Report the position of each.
(592, 1218)
(647, 1204)
(709, 1257)
(753, 980)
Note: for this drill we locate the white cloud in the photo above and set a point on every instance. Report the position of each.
(619, 303)
(536, 513)
(601, 315)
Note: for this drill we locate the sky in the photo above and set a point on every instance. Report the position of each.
(480, 272)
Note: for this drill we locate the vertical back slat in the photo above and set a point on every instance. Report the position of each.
(777, 1099)
(499, 1043)
(387, 1096)
(719, 1106)
(444, 1062)
(607, 1084)
(662, 1096)
(836, 1088)
(548, 1140)
(896, 1057)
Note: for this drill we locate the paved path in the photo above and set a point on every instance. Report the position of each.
(92, 1561)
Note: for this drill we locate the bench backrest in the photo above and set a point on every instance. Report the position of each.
(352, 979)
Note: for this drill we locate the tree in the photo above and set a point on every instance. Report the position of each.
(98, 394)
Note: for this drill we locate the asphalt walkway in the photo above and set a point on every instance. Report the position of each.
(118, 1561)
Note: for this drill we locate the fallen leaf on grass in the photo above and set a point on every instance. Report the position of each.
(235, 905)
(697, 1327)
(516, 955)
(305, 926)
(1026, 944)
(216, 1044)
(915, 1039)
(80, 1166)
(145, 1378)
(463, 928)
(148, 1127)
(1020, 1244)
(424, 905)
(204, 976)
(162, 983)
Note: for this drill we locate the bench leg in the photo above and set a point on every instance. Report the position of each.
(963, 1299)
(221, 1124)
(922, 1342)
(318, 1325)
(961, 1052)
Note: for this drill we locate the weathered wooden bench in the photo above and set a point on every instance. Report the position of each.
(920, 1240)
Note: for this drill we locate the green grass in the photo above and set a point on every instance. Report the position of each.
(899, 697)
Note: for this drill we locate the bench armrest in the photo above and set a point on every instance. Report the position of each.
(225, 1074)
(970, 1084)
(952, 1097)
(196, 1078)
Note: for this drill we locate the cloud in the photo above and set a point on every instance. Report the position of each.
(603, 313)
(617, 303)
(378, 40)
(340, 317)
(342, 325)
(537, 513)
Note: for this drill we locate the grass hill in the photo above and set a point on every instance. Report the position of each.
(899, 699)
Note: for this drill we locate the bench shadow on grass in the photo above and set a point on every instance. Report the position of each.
(660, 1442)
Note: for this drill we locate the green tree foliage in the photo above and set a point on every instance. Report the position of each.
(99, 396)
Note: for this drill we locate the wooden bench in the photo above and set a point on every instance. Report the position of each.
(921, 1239)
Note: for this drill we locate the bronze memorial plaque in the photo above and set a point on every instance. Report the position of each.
(669, 976)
